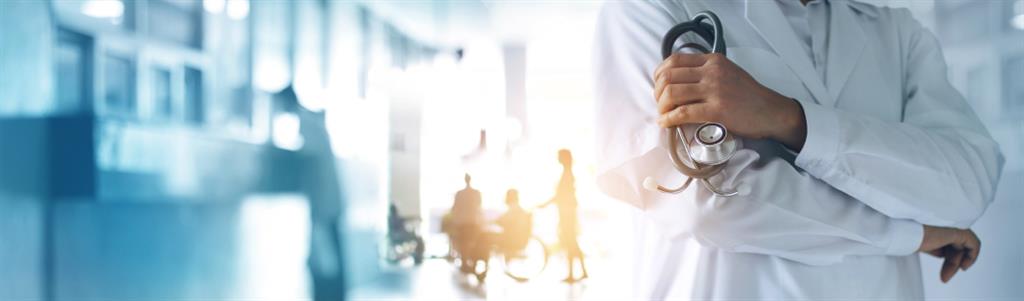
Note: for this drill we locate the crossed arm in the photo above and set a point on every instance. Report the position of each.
(859, 186)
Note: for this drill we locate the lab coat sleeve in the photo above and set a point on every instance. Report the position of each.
(788, 213)
(939, 166)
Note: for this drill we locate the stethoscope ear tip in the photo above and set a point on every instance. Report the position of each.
(650, 184)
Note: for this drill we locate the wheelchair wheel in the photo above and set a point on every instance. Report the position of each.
(417, 255)
(528, 262)
(480, 270)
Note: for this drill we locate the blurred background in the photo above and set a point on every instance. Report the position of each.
(250, 150)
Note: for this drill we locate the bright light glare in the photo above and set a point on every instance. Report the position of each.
(310, 94)
(1018, 15)
(1018, 21)
(275, 239)
(513, 129)
(238, 9)
(286, 131)
(103, 8)
(271, 74)
(213, 6)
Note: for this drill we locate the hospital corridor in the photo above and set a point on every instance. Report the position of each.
(328, 150)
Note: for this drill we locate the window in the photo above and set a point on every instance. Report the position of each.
(74, 60)
(965, 21)
(241, 106)
(97, 13)
(1013, 11)
(163, 104)
(1013, 75)
(194, 96)
(175, 21)
(175, 62)
(119, 85)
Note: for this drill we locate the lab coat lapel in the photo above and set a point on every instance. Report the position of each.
(846, 43)
(767, 19)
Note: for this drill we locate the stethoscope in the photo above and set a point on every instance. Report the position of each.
(712, 146)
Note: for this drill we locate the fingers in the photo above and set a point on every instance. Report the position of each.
(680, 60)
(682, 91)
(679, 94)
(675, 76)
(973, 248)
(691, 113)
(959, 249)
(952, 263)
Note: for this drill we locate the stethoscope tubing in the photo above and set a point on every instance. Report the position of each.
(693, 169)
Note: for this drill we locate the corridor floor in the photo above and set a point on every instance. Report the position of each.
(437, 279)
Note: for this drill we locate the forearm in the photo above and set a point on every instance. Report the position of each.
(787, 214)
(792, 129)
(941, 176)
(936, 164)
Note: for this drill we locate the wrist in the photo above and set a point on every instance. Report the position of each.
(791, 126)
(928, 235)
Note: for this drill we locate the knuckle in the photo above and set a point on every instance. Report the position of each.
(676, 58)
(680, 113)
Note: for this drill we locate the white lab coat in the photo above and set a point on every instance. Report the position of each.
(891, 145)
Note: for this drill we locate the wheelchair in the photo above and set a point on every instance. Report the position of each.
(401, 245)
(471, 250)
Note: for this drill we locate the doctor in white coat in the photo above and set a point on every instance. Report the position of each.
(858, 152)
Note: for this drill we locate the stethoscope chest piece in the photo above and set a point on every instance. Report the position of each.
(712, 144)
(710, 148)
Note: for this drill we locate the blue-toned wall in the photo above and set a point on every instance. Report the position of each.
(25, 90)
(21, 248)
(101, 208)
(70, 231)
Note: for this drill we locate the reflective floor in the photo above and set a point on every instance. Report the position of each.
(437, 279)
(255, 249)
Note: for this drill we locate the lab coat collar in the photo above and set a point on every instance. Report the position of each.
(865, 9)
(767, 19)
(846, 43)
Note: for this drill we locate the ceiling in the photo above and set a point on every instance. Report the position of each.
(450, 23)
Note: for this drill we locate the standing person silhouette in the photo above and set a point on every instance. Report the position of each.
(467, 225)
(568, 223)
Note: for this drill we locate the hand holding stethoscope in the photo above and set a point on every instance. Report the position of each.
(697, 86)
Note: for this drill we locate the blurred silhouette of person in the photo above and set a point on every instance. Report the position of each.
(466, 223)
(396, 224)
(516, 225)
(398, 233)
(568, 224)
(466, 210)
(321, 183)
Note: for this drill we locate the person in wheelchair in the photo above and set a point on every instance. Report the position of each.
(516, 226)
(399, 233)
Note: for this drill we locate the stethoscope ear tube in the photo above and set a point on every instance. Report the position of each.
(709, 32)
